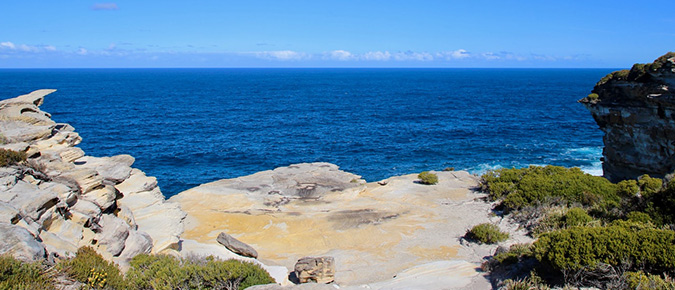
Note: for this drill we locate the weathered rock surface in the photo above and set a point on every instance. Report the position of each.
(636, 111)
(20, 243)
(60, 199)
(373, 232)
(315, 269)
(236, 246)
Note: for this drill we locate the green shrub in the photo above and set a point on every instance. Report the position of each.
(515, 254)
(486, 233)
(639, 217)
(427, 177)
(15, 274)
(529, 186)
(593, 97)
(622, 243)
(661, 205)
(627, 188)
(531, 282)
(166, 272)
(649, 186)
(90, 268)
(646, 281)
(9, 157)
(576, 217)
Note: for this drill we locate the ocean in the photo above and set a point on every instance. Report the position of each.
(192, 126)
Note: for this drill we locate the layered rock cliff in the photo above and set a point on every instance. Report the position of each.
(636, 110)
(59, 199)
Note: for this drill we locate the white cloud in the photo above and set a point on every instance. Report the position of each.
(454, 54)
(376, 55)
(341, 55)
(104, 6)
(50, 48)
(26, 48)
(413, 56)
(282, 55)
(7, 44)
(82, 51)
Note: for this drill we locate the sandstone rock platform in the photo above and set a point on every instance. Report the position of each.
(373, 231)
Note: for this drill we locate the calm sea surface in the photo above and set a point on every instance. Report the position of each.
(192, 126)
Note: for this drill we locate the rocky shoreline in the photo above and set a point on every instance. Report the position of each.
(396, 233)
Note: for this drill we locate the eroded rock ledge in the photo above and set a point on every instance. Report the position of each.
(60, 199)
(636, 110)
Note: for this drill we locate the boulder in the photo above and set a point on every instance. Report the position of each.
(136, 243)
(317, 269)
(236, 246)
(113, 234)
(18, 242)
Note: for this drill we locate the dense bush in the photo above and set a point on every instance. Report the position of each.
(9, 157)
(15, 274)
(622, 244)
(661, 205)
(166, 272)
(646, 281)
(648, 185)
(518, 188)
(427, 177)
(486, 234)
(90, 268)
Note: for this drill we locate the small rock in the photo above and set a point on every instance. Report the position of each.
(383, 182)
(236, 246)
(317, 269)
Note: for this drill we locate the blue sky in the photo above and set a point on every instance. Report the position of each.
(366, 33)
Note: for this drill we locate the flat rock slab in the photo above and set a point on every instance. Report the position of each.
(373, 231)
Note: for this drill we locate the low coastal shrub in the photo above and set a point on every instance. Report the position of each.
(91, 269)
(622, 244)
(649, 186)
(518, 188)
(15, 274)
(428, 178)
(167, 272)
(531, 282)
(486, 233)
(646, 281)
(9, 157)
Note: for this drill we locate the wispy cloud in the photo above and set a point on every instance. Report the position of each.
(283, 55)
(341, 55)
(104, 6)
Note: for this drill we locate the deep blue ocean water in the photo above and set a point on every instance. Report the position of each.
(192, 126)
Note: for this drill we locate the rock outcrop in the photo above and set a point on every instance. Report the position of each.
(636, 110)
(315, 269)
(59, 199)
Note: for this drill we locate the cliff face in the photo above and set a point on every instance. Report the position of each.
(636, 110)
